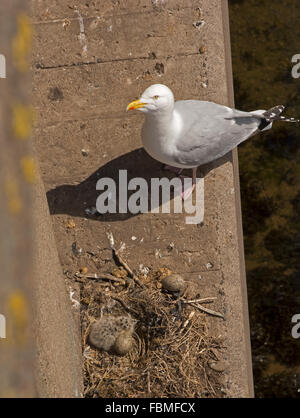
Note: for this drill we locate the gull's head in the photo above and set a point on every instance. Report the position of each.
(155, 98)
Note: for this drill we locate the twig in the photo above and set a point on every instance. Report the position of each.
(206, 310)
(121, 259)
(100, 276)
(86, 333)
(148, 382)
(124, 263)
(127, 268)
(181, 299)
(125, 306)
(204, 300)
(187, 321)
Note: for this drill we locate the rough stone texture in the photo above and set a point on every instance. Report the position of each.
(16, 341)
(58, 358)
(88, 65)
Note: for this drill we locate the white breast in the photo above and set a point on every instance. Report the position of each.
(159, 136)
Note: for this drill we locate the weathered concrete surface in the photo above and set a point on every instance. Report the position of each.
(58, 369)
(16, 341)
(240, 242)
(40, 354)
(90, 61)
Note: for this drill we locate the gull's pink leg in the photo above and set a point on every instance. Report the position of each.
(175, 170)
(186, 193)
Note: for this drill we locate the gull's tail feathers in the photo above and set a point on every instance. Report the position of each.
(271, 115)
(275, 114)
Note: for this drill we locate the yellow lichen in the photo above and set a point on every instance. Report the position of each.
(22, 121)
(18, 313)
(28, 167)
(22, 43)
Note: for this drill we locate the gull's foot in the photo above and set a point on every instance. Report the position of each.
(175, 170)
(186, 192)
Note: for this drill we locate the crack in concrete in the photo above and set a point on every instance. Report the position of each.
(99, 61)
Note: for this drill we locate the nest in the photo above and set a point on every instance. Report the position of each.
(171, 349)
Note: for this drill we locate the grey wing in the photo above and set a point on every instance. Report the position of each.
(211, 130)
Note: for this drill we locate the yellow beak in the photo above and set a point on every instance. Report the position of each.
(137, 104)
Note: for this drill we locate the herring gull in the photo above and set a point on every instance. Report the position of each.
(190, 133)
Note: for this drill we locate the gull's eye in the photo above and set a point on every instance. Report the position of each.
(155, 97)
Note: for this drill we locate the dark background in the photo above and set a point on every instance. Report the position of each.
(265, 35)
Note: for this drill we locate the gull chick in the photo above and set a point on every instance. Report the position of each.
(190, 133)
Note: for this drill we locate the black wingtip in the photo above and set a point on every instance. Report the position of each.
(263, 124)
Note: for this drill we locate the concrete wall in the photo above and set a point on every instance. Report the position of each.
(90, 60)
(16, 349)
(58, 370)
(40, 353)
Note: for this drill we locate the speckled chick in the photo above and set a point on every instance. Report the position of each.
(123, 343)
(125, 323)
(103, 333)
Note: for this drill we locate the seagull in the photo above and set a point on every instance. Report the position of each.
(189, 133)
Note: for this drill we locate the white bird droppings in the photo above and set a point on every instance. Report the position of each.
(75, 302)
(82, 37)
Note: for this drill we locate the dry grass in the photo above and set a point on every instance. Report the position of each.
(171, 348)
